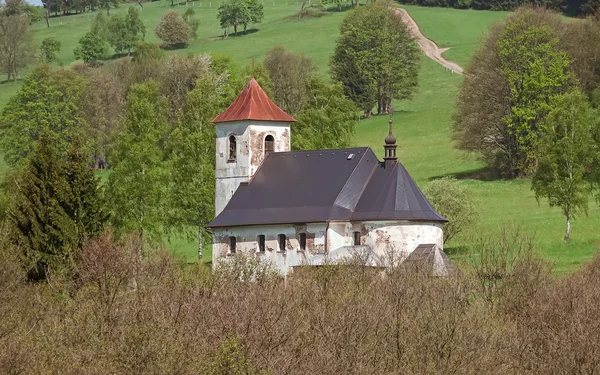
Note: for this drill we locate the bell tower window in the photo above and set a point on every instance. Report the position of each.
(269, 144)
(232, 148)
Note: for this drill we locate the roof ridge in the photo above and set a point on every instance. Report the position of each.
(366, 181)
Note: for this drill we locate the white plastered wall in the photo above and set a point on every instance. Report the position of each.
(250, 137)
(247, 243)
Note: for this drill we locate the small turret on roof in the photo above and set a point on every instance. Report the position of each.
(253, 104)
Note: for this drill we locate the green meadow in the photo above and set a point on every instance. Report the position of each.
(421, 125)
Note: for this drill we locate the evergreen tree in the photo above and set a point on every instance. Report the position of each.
(40, 218)
(86, 204)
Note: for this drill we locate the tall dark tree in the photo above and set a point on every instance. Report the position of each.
(376, 51)
(57, 204)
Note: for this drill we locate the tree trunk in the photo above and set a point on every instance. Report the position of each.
(107, 10)
(141, 5)
(47, 17)
(568, 231)
(200, 243)
(235, 29)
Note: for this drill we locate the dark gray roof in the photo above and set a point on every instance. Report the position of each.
(326, 185)
(430, 259)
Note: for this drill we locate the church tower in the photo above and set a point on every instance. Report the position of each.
(249, 129)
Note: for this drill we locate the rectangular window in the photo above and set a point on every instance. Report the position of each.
(261, 243)
(356, 238)
(302, 241)
(281, 240)
(232, 245)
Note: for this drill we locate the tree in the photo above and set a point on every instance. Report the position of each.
(173, 30)
(191, 150)
(108, 4)
(57, 203)
(339, 3)
(290, 76)
(375, 58)
(535, 70)
(48, 50)
(567, 154)
(91, 48)
(453, 201)
(125, 32)
(327, 120)
(100, 26)
(41, 224)
(507, 89)
(192, 21)
(48, 100)
(16, 49)
(233, 13)
(137, 186)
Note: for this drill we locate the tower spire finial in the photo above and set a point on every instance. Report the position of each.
(390, 143)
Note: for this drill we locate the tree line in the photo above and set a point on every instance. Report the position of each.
(570, 7)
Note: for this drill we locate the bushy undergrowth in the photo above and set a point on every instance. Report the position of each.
(123, 313)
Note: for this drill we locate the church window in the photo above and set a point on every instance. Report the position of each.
(302, 241)
(232, 148)
(269, 144)
(232, 243)
(281, 240)
(261, 243)
(356, 238)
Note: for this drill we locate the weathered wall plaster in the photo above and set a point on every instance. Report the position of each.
(391, 240)
(250, 137)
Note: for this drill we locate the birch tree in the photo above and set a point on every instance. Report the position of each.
(567, 153)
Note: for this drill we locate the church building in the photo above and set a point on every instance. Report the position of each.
(297, 208)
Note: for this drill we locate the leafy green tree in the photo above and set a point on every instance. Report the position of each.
(173, 30)
(49, 48)
(376, 51)
(327, 120)
(91, 48)
(48, 100)
(508, 86)
(453, 201)
(138, 184)
(125, 32)
(233, 13)
(100, 25)
(192, 21)
(567, 154)
(535, 70)
(191, 150)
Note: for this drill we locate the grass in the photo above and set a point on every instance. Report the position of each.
(422, 126)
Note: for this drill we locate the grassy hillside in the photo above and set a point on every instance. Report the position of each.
(422, 126)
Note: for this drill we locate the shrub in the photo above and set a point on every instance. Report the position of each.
(453, 201)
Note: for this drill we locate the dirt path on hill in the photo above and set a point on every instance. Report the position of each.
(428, 46)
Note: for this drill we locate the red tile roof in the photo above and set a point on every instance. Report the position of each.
(253, 104)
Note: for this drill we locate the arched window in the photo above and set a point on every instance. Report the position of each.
(269, 144)
(232, 148)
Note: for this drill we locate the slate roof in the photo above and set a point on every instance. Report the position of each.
(326, 185)
(253, 104)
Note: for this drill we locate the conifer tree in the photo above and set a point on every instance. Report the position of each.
(41, 222)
